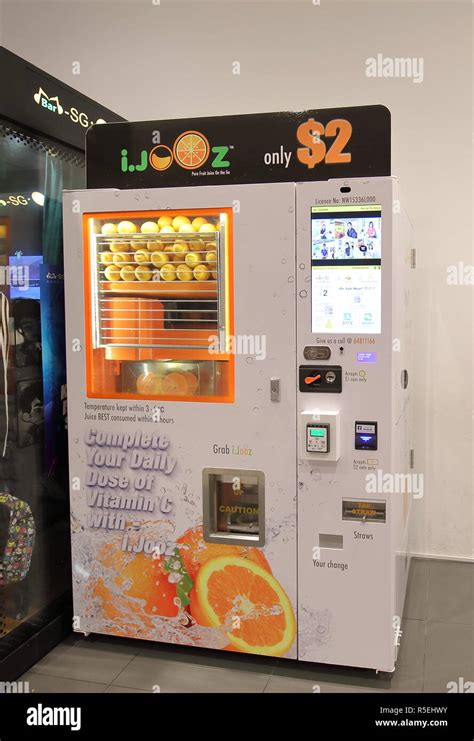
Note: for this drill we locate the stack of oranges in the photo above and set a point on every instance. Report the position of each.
(191, 256)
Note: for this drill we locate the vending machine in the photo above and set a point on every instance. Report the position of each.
(239, 410)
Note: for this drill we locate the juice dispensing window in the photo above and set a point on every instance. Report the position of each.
(159, 305)
(234, 506)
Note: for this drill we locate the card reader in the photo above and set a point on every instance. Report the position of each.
(317, 438)
(365, 435)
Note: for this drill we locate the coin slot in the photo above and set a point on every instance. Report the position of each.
(320, 378)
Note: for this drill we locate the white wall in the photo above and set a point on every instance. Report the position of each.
(175, 59)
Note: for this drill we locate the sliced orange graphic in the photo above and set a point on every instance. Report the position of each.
(132, 588)
(237, 594)
(161, 157)
(191, 149)
(195, 552)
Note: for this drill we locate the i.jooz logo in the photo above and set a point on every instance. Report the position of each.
(190, 151)
(52, 104)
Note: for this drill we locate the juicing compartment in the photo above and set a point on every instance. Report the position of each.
(171, 378)
(159, 289)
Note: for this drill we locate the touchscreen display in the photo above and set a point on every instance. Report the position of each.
(346, 276)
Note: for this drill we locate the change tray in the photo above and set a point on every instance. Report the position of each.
(174, 289)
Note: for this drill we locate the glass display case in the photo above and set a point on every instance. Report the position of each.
(43, 123)
(34, 512)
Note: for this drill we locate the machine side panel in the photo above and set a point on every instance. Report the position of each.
(407, 485)
(345, 516)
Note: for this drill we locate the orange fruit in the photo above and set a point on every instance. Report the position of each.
(207, 227)
(168, 272)
(201, 272)
(115, 609)
(127, 273)
(191, 149)
(195, 552)
(192, 259)
(121, 258)
(120, 246)
(136, 577)
(149, 227)
(142, 256)
(186, 228)
(137, 245)
(178, 220)
(227, 588)
(108, 229)
(198, 245)
(164, 221)
(127, 227)
(145, 578)
(198, 221)
(112, 272)
(159, 258)
(143, 273)
(184, 272)
(154, 245)
(179, 249)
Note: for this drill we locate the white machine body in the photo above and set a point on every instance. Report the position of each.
(323, 413)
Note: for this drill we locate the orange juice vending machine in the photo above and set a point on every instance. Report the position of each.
(239, 403)
(235, 397)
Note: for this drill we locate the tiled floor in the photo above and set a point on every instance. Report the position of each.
(437, 647)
